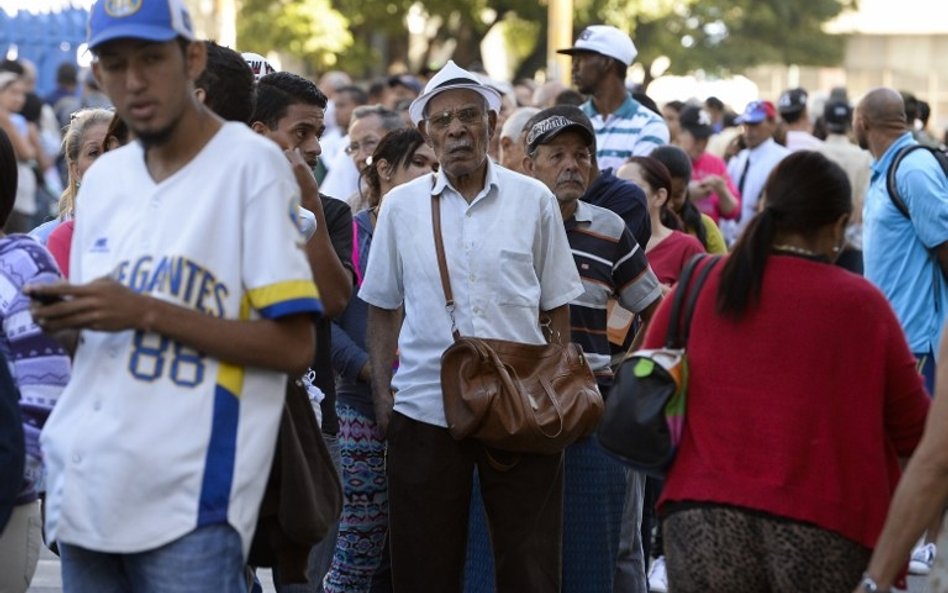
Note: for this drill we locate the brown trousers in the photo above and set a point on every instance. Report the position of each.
(429, 480)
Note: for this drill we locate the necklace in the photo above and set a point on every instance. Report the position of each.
(798, 251)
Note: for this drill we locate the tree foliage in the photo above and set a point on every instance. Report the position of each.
(311, 31)
(716, 36)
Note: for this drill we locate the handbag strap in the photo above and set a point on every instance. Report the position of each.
(442, 262)
(685, 299)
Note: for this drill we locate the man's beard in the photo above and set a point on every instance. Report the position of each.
(150, 139)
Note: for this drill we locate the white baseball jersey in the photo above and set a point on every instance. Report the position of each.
(152, 439)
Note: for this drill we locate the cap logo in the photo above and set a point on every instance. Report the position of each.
(549, 124)
(122, 8)
(586, 34)
(704, 118)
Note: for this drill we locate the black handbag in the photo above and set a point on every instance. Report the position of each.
(645, 411)
(303, 498)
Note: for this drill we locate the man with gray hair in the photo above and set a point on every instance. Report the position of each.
(368, 126)
(511, 138)
(510, 264)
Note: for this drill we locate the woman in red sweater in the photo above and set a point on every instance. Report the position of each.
(802, 397)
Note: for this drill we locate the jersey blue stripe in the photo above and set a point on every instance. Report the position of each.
(220, 460)
(292, 306)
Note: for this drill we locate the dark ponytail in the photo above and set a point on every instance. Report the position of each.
(743, 272)
(804, 193)
(691, 216)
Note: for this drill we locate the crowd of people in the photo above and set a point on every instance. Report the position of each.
(223, 228)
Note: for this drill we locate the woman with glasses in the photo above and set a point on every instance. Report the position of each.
(368, 126)
(401, 156)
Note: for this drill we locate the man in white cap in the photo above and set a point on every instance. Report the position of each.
(509, 263)
(624, 127)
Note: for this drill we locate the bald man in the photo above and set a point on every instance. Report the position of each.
(906, 257)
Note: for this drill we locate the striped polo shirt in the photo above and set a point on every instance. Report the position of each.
(610, 263)
(633, 130)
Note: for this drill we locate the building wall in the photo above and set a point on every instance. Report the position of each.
(913, 63)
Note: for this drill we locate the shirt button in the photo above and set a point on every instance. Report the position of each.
(113, 352)
(468, 214)
(477, 310)
(473, 277)
(97, 406)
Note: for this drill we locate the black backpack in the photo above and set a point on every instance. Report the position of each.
(939, 155)
(942, 159)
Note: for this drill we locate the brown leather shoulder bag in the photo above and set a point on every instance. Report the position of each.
(524, 398)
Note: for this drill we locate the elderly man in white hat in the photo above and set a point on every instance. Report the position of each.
(624, 127)
(509, 263)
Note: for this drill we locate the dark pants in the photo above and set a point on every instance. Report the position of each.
(430, 478)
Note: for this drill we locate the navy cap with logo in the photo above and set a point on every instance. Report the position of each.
(150, 20)
(792, 101)
(550, 123)
(696, 121)
(837, 116)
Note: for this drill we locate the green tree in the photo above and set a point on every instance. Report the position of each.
(717, 36)
(308, 30)
(721, 37)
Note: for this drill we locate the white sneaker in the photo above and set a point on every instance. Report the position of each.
(923, 557)
(657, 578)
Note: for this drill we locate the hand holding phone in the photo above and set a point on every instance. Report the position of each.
(45, 299)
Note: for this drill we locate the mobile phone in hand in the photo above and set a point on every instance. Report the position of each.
(46, 299)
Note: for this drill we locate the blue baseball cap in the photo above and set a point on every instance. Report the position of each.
(756, 112)
(151, 20)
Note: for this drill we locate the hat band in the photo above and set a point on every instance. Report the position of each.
(456, 81)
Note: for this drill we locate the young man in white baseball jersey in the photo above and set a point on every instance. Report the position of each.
(193, 296)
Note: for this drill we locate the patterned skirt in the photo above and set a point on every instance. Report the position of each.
(364, 521)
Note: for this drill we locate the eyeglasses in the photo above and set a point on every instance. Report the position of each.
(468, 116)
(368, 145)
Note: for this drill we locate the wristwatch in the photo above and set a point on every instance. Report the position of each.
(869, 585)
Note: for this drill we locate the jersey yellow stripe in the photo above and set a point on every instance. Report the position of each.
(231, 378)
(266, 296)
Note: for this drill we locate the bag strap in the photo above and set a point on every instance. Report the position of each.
(672, 336)
(685, 299)
(890, 179)
(693, 298)
(442, 262)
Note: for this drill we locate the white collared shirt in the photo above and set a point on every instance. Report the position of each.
(508, 259)
(763, 158)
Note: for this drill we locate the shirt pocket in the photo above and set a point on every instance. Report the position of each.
(517, 284)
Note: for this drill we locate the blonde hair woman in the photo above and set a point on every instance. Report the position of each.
(83, 143)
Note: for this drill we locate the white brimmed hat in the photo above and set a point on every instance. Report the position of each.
(452, 77)
(606, 40)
